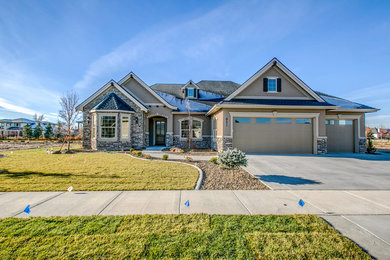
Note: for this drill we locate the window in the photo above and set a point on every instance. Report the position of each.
(190, 92)
(261, 120)
(196, 129)
(329, 122)
(94, 126)
(303, 121)
(242, 120)
(283, 120)
(107, 126)
(345, 122)
(125, 127)
(271, 85)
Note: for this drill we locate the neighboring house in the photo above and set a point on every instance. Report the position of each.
(272, 112)
(14, 127)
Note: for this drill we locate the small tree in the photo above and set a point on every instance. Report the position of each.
(37, 131)
(27, 131)
(370, 145)
(48, 131)
(68, 112)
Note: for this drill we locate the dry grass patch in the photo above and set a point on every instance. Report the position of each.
(35, 170)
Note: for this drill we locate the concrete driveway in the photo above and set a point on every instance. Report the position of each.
(322, 172)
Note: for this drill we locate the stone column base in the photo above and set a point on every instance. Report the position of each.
(322, 145)
(224, 143)
(362, 144)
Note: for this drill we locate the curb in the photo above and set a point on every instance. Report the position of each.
(200, 176)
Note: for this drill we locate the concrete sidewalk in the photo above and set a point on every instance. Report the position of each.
(363, 216)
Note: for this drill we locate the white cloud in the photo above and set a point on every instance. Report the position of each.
(7, 105)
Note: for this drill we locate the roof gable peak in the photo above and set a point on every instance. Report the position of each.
(274, 62)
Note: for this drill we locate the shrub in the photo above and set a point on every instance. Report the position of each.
(214, 160)
(138, 153)
(188, 159)
(232, 158)
(131, 150)
(165, 157)
(370, 145)
(147, 156)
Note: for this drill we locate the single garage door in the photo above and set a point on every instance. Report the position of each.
(273, 135)
(340, 136)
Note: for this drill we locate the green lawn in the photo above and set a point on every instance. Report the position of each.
(35, 170)
(175, 236)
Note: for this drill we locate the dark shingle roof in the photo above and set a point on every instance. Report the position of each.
(223, 88)
(171, 89)
(113, 102)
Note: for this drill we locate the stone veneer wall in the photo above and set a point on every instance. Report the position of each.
(362, 144)
(224, 143)
(137, 131)
(169, 139)
(213, 143)
(204, 143)
(322, 145)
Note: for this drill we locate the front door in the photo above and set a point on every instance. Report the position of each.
(159, 129)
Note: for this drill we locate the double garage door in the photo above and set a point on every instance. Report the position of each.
(273, 135)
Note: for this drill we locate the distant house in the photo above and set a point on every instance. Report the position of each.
(272, 112)
(14, 127)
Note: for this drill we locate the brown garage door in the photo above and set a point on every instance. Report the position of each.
(340, 136)
(273, 135)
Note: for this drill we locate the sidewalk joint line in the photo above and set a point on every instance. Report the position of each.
(360, 197)
(353, 222)
(39, 203)
(180, 202)
(109, 203)
(250, 213)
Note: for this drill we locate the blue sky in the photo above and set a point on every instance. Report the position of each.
(48, 47)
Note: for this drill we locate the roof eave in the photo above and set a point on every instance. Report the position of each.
(364, 110)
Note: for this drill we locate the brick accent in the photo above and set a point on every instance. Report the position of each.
(322, 145)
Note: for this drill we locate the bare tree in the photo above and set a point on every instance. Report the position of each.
(39, 118)
(68, 113)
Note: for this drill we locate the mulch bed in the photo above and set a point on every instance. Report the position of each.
(216, 178)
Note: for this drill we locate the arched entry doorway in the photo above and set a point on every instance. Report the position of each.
(157, 131)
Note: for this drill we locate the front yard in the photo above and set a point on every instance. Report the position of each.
(175, 236)
(36, 170)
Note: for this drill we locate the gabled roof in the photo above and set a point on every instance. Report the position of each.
(113, 102)
(143, 84)
(219, 87)
(190, 84)
(112, 83)
(270, 64)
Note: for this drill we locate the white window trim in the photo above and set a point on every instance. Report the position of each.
(116, 127)
(201, 128)
(94, 122)
(129, 131)
(276, 85)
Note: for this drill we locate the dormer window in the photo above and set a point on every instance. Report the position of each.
(191, 92)
(272, 85)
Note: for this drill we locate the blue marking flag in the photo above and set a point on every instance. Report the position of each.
(27, 209)
(301, 203)
(187, 203)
